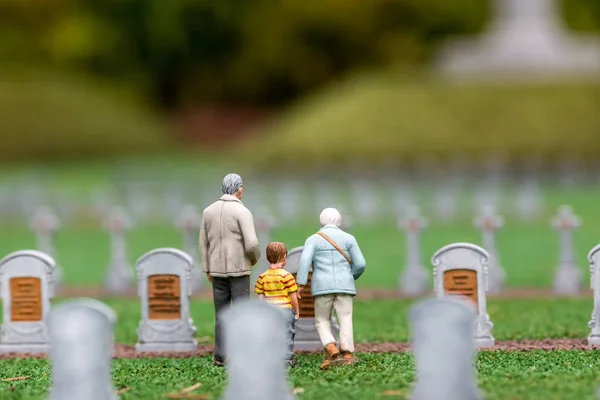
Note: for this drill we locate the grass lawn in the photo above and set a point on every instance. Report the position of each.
(501, 375)
(381, 321)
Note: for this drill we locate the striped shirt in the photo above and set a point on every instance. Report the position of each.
(276, 285)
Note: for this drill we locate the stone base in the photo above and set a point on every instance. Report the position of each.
(593, 340)
(307, 338)
(33, 348)
(484, 342)
(568, 281)
(166, 347)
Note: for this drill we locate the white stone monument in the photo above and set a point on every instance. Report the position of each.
(120, 275)
(526, 37)
(81, 351)
(461, 269)
(365, 200)
(529, 200)
(446, 202)
(289, 198)
(264, 223)
(27, 285)
(444, 351)
(414, 278)
(164, 289)
(594, 324)
(307, 337)
(189, 221)
(45, 224)
(488, 222)
(255, 344)
(568, 278)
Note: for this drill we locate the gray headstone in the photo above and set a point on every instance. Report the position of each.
(446, 202)
(189, 221)
(529, 200)
(101, 199)
(27, 285)
(264, 224)
(460, 269)
(365, 200)
(120, 275)
(402, 197)
(324, 195)
(164, 289)
(568, 278)
(307, 337)
(488, 222)
(594, 324)
(442, 331)
(81, 352)
(255, 346)
(414, 278)
(525, 37)
(486, 195)
(174, 200)
(289, 196)
(45, 224)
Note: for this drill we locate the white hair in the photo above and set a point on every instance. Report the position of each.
(330, 216)
(231, 184)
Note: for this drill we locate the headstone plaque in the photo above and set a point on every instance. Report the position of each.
(81, 351)
(164, 288)
(254, 352)
(307, 337)
(594, 324)
(27, 285)
(413, 280)
(461, 269)
(568, 278)
(26, 299)
(444, 353)
(189, 222)
(164, 297)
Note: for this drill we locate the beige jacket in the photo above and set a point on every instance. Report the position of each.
(228, 242)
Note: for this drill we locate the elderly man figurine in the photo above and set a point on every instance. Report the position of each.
(229, 248)
(336, 263)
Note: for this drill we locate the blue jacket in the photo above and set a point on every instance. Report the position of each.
(331, 272)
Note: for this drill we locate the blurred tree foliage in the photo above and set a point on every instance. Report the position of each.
(259, 51)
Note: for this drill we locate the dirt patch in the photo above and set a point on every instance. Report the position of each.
(128, 351)
(363, 294)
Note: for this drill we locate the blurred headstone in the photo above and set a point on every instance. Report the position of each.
(290, 199)
(442, 332)
(414, 278)
(26, 282)
(461, 269)
(164, 290)
(568, 278)
(324, 195)
(255, 346)
(402, 196)
(174, 200)
(189, 221)
(139, 201)
(594, 324)
(264, 223)
(486, 195)
(81, 351)
(120, 274)
(488, 222)
(569, 172)
(524, 37)
(45, 224)
(529, 200)
(364, 200)
(446, 202)
(101, 199)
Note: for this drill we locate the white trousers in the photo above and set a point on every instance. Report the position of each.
(324, 305)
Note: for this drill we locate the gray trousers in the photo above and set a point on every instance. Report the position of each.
(225, 292)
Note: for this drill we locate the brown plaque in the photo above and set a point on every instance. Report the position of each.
(307, 302)
(164, 297)
(26, 299)
(461, 282)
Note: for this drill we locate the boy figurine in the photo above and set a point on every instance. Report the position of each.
(278, 287)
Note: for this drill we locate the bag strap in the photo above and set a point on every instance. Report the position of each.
(334, 244)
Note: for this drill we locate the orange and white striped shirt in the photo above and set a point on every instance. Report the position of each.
(276, 285)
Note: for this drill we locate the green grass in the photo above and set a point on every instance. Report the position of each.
(501, 375)
(381, 321)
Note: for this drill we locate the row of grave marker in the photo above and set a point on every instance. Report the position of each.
(413, 278)
(164, 276)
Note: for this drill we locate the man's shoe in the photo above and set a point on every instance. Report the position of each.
(218, 363)
(332, 354)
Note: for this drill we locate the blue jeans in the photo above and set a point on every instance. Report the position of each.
(290, 319)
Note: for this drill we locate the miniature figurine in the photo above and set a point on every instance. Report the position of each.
(229, 248)
(278, 287)
(336, 263)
